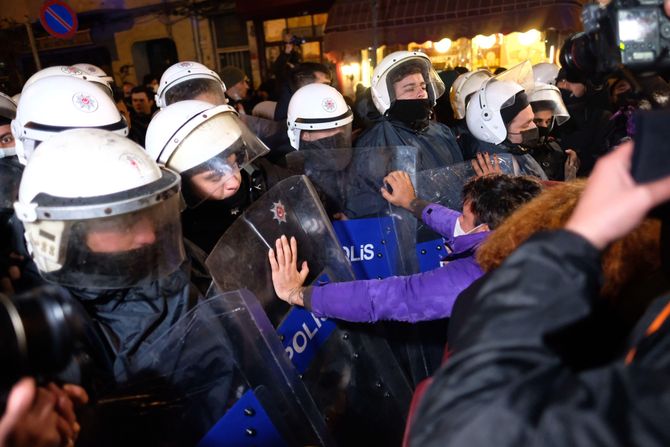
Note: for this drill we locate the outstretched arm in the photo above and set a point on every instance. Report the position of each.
(286, 278)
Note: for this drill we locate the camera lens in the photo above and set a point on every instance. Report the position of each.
(37, 332)
(577, 56)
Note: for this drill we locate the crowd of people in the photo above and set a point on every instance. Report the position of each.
(553, 285)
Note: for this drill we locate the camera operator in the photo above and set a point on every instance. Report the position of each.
(288, 58)
(588, 118)
(41, 416)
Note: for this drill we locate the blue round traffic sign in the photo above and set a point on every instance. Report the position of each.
(58, 19)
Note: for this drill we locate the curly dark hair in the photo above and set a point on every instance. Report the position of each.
(494, 197)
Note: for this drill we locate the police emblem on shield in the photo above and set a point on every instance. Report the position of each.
(85, 103)
(71, 70)
(278, 212)
(329, 105)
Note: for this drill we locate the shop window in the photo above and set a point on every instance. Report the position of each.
(230, 30)
(274, 30)
(311, 52)
(153, 56)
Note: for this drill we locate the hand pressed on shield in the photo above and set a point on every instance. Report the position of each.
(286, 278)
(485, 164)
(401, 191)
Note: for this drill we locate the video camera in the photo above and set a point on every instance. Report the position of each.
(296, 40)
(632, 33)
(39, 333)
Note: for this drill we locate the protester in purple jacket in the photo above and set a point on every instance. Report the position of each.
(424, 296)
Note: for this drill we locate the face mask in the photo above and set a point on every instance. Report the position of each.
(337, 141)
(626, 99)
(529, 137)
(7, 152)
(543, 133)
(415, 113)
(458, 230)
(568, 97)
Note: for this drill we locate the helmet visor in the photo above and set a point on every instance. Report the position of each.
(232, 147)
(521, 74)
(120, 251)
(548, 96)
(400, 83)
(202, 89)
(10, 178)
(337, 138)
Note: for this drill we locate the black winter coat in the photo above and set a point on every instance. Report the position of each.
(504, 385)
(436, 144)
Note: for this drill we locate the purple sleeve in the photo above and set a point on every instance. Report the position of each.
(441, 219)
(420, 297)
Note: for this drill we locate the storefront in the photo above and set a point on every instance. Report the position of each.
(473, 34)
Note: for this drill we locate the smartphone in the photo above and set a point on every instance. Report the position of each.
(651, 156)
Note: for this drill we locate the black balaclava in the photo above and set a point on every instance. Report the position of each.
(415, 113)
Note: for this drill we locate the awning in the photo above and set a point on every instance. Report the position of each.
(275, 9)
(349, 23)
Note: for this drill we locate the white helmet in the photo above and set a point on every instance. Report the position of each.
(465, 85)
(521, 74)
(545, 73)
(95, 71)
(56, 103)
(545, 96)
(7, 113)
(193, 137)
(483, 110)
(194, 80)
(317, 107)
(98, 212)
(72, 71)
(382, 88)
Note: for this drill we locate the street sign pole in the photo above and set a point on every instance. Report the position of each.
(33, 46)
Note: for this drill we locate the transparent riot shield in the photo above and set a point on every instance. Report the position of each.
(376, 236)
(444, 186)
(350, 373)
(220, 376)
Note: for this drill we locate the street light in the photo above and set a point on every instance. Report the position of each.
(443, 45)
(529, 37)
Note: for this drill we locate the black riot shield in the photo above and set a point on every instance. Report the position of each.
(444, 186)
(376, 236)
(350, 373)
(218, 377)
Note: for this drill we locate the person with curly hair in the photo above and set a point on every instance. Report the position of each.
(424, 296)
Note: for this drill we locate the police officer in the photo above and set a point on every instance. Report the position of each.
(212, 150)
(55, 103)
(550, 112)
(319, 118)
(102, 220)
(10, 176)
(500, 119)
(190, 80)
(461, 91)
(404, 90)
